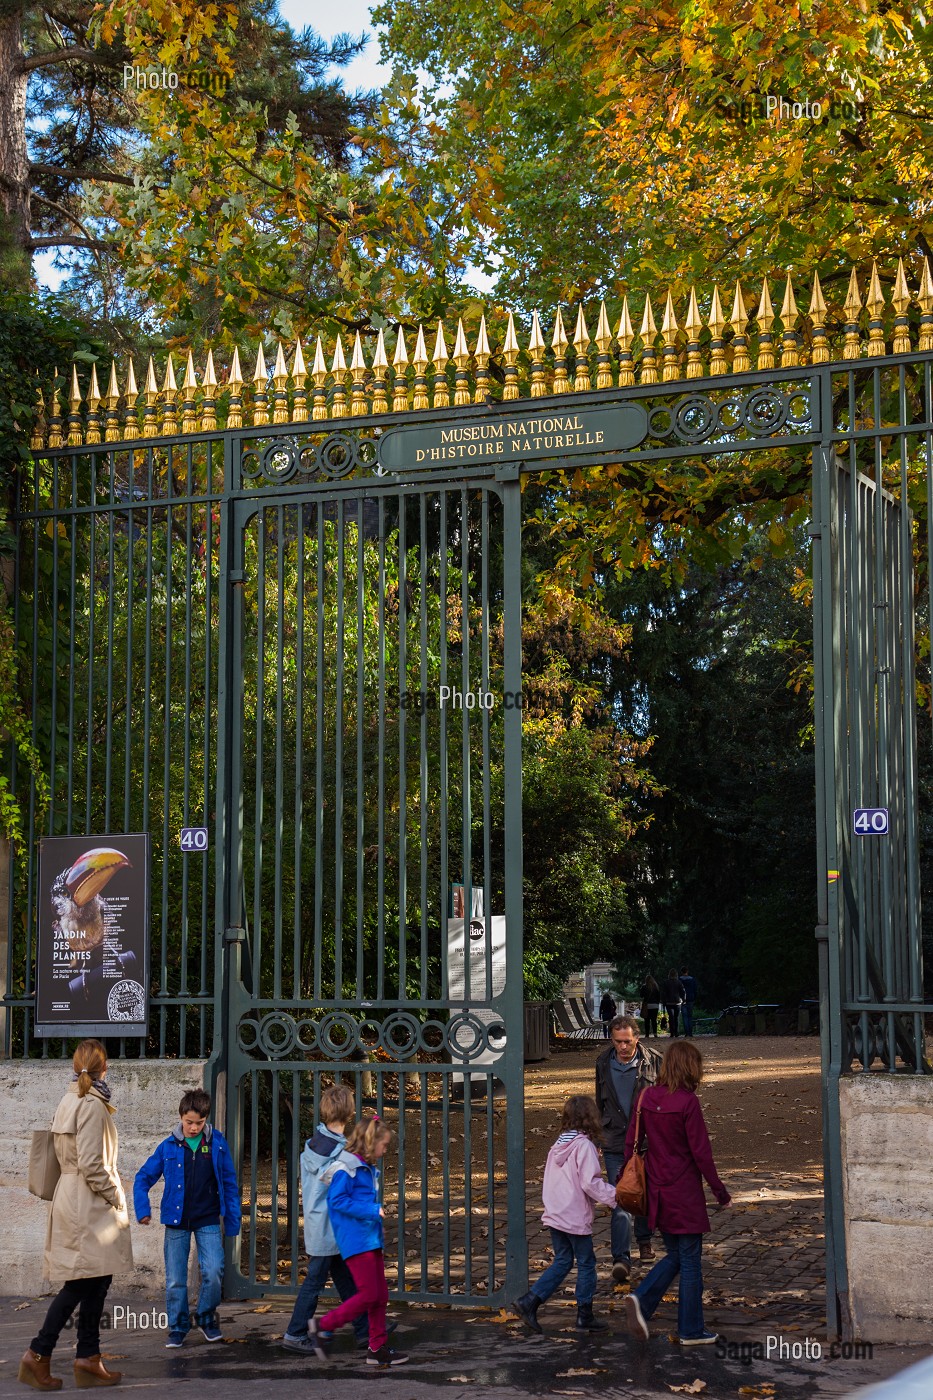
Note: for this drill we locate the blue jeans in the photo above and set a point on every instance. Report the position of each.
(620, 1230)
(319, 1266)
(210, 1247)
(568, 1248)
(683, 1257)
(687, 1012)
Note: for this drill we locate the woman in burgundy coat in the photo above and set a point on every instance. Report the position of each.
(678, 1159)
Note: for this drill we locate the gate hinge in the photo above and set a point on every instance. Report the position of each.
(235, 935)
(508, 471)
(237, 578)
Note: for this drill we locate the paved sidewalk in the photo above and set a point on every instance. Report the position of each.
(453, 1352)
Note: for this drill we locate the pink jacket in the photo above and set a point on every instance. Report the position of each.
(573, 1180)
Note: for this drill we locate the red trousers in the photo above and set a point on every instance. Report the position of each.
(371, 1297)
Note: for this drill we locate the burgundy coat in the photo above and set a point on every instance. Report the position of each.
(679, 1157)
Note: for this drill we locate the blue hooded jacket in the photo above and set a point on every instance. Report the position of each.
(317, 1163)
(353, 1205)
(168, 1160)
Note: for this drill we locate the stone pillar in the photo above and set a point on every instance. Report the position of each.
(887, 1149)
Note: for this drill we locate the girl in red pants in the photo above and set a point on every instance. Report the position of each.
(356, 1216)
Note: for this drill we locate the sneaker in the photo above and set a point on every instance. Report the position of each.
(175, 1339)
(319, 1339)
(705, 1339)
(362, 1343)
(302, 1344)
(385, 1356)
(211, 1332)
(635, 1318)
(620, 1271)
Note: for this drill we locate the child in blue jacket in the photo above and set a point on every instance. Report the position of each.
(200, 1189)
(356, 1215)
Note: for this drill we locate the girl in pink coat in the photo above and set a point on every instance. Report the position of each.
(573, 1180)
(678, 1160)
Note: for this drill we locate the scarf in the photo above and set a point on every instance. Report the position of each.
(100, 1085)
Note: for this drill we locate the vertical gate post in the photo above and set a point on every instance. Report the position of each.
(516, 1264)
(827, 693)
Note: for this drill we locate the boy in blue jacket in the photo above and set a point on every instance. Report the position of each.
(320, 1154)
(200, 1190)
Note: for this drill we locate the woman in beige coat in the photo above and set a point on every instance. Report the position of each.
(88, 1236)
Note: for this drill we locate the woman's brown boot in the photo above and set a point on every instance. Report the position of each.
(90, 1370)
(34, 1371)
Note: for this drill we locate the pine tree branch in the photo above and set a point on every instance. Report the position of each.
(66, 240)
(32, 61)
(106, 175)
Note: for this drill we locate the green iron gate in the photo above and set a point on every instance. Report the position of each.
(252, 628)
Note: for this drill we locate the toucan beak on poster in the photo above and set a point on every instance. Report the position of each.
(91, 872)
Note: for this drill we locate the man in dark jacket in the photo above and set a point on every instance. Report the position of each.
(622, 1072)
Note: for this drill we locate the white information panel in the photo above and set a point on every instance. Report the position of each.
(467, 962)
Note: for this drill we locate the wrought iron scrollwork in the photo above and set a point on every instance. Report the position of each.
(304, 458)
(338, 1035)
(699, 418)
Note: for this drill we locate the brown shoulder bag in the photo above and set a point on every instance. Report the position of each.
(632, 1186)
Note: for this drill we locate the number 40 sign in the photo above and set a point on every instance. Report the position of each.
(193, 838)
(871, 821)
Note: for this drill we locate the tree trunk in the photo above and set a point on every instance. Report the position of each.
(14, 159)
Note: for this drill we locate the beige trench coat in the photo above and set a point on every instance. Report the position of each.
(88, 1232)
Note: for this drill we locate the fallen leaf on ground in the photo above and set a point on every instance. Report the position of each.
(694, 1388)
(459, 1379)
(503, 1316)
(263, 1307)
(19, 1306)
(763, 1390)
(581, 1371)
(568, 1392)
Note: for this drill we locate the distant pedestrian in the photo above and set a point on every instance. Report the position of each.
(689, 985)
(679, 1158)
(573, 1180)
(622, 1072)
(200, 1190)
(607, 1009)
(673, 994)
(356, 1217)
(650, 1006)
(88, 1235)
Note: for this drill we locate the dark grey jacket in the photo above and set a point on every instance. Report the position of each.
(615, 1123)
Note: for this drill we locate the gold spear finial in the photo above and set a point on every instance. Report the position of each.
(439, 359)
(400, 370)
(765, 318)
(150, 399)
(536, 349)
(852, 349)
(112, 398)
(649, 334)
(169, 426)
(280, 387)
(604, 347)
(669, 330)
(260, 388)
(581, 343)
(817, 313)
(208, 396)
(481, 356)
(693, 325)
(358, 405)
(625, 335)
(189, 418)
(235, 387)
(55, 417)
(875, 305)
(925, 302)
(559, 345)
(510, 358)
(901, 300)
(75, 435)
(380, 370)
(790, 345)
(420, 362)
(300, 381)
(338, 369)
(37, 439)
(462, 362)
(130, 426)
(739, 323)
(93, 408)
(717, 323)
(319, 376)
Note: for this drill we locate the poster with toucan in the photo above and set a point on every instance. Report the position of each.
(92, 951)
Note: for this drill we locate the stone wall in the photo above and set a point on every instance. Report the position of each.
(145, 1095)
(887, 1151)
